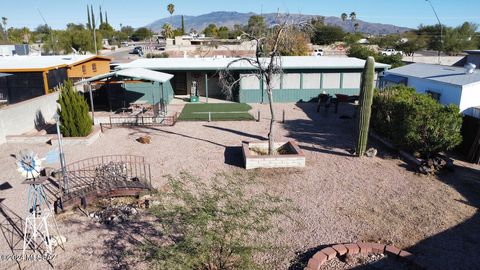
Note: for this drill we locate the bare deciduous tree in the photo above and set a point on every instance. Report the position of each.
(267, 66)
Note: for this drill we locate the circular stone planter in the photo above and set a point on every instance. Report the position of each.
(292, 156)
(329, 253)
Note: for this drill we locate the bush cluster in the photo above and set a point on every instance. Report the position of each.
(212, 226)
(416, 122)
(73, 111)
(158, 55)
(362, 52)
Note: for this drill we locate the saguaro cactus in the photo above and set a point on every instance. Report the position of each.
(366, 99)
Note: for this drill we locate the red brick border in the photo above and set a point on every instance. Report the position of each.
(328, 253)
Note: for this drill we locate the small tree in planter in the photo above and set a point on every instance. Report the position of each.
(73, 111)
(270, 45)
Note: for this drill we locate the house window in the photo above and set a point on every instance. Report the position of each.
(434, 95)
(311, 80)
(291, 81)
(249, 81)
(94, 67)
(331, 80)
(84, 69)
(351, 80)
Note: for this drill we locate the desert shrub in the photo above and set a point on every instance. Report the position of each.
(416, 122)
(158, 55)
(363, 52)
(73, 111)
(211, 226)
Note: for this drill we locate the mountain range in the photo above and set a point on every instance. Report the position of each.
(229, 19)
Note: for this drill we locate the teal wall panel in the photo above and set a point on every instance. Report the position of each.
(149, 92)
(297, 95)
(291, 95)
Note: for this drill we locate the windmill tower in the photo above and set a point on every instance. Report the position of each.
(41, 230)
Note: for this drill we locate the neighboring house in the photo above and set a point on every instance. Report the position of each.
(448, 85)
(18, 49)
(303, 78)
(34, 76)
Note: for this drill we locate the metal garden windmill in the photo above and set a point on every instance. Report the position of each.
(40, 222)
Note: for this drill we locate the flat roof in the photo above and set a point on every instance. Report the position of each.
(135, 73)
(21, 62)
(472, 51)
(444, 74)
(288, 62)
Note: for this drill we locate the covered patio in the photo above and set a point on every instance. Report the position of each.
(135, 95)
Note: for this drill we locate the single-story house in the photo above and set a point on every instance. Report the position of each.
(34, 76)
(303, 77)
(447, 84)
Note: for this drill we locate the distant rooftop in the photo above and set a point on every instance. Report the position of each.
(445, 74)
(40, 62)
(472, 51)
(288, 62)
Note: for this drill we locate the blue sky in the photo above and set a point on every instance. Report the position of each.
(136, 13)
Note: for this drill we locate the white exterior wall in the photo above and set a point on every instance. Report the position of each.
(449, 94)
(19, 118)
(465, 97)
(470, 98)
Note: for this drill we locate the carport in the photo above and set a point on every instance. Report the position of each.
(159, 99)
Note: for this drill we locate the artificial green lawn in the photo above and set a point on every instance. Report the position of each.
(220, 112)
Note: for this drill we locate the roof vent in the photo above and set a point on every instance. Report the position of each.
(469, 68)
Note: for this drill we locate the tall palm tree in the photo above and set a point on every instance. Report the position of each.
(344, 16)
(353, 16)
(171, 9)
(167, 30)
(4, 22)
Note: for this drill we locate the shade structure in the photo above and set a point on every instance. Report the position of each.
(134, 73)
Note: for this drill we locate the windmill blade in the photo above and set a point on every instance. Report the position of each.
(28, 163)
(5, 186)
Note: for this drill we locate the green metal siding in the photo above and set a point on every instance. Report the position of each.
(296, 95)
(291, 95)
(148, 91)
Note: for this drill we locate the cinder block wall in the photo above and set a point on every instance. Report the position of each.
(22, 117)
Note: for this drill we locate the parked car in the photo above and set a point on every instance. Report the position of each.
(318, 52)
(124, 44)
(389, 52)
(137, 50)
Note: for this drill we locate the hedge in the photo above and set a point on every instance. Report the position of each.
(416, 122)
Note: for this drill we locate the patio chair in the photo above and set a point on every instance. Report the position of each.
(324, 100)
(340, 99)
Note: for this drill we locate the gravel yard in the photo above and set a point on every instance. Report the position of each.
(340, 198)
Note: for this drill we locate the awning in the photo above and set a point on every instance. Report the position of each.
(395, 79)
(134, 73)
